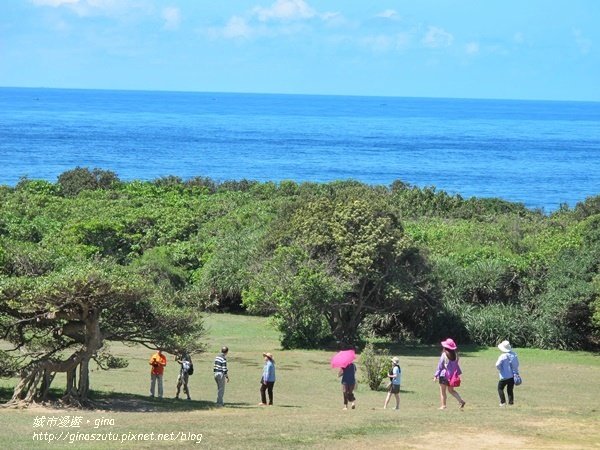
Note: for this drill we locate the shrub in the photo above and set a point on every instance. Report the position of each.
(375, 365)
(36, 186)
(490, 324)
(72, 182)
(564, 311)
(242, 185)
(206, 183)
(296, 291)
(169, 182)
(589, 207)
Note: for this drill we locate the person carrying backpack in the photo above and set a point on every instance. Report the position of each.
(186, 369)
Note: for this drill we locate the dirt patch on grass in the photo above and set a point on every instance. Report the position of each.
(463, 439)
(475, 439)
(582, 430)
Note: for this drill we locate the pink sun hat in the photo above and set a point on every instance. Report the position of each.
(449, 344)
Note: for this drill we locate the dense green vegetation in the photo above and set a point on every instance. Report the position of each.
(91, 258)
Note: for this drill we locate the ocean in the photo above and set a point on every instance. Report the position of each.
(540, 153)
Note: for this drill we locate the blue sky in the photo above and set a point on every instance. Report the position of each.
(521, 49)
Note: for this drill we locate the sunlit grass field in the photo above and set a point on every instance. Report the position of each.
(556, 407)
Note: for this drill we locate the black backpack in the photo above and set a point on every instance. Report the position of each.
(191, 369)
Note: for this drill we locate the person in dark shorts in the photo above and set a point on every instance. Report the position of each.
(447, 370)
(394, 387)
(348, 375)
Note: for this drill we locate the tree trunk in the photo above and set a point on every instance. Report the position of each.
(46, 383)
(343, 325)
(93, 343)
(27, 386)
(29, 390)
(71, 379)
(84, 380)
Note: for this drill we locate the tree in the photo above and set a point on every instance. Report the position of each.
(565, 311)
(59, 322)
(72, 182)
(295, 290)
(230, 246)
(353, 242)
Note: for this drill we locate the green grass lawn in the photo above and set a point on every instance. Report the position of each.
(556, 407)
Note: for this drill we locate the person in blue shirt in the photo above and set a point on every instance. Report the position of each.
(508, 367)
(348, 375)
(395, 378)
(267, 380)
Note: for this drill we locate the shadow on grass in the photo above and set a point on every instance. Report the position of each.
(5, 394)
(319, 362)
(289, 366)
(258, 361)
(425, 350)
(123, 402)
(384, 390)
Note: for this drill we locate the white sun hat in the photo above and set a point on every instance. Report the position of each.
(505, 347)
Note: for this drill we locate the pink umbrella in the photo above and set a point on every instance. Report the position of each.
(343, 358)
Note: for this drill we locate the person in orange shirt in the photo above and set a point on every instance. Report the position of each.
(158, 361)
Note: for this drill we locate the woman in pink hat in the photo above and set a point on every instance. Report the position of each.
(447, 372)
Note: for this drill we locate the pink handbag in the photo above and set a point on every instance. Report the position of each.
(454, 380)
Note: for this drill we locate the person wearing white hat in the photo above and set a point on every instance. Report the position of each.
(394, 388)
(508, 367)
(267, 381)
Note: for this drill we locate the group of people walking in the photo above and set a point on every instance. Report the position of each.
(158, 362)
(348, 375)
(447, 375)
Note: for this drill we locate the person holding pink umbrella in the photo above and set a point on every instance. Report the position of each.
(344, 361)
(448, 373)
(348, 375)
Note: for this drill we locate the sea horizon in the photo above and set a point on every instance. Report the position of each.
(543, 153)
(508, 99)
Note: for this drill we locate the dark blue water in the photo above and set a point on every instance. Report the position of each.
(539, 153)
